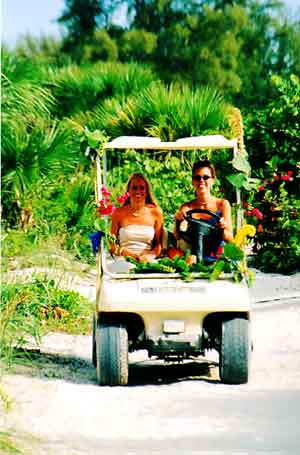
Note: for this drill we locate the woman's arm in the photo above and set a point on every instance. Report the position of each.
(225, 222)
(149, 256)
(179, 218)
(158, 226)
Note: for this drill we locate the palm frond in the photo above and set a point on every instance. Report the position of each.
(166, 112)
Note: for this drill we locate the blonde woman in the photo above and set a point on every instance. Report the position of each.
(138, 223)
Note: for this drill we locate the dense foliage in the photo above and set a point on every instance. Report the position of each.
(54, 89)
(232, 46)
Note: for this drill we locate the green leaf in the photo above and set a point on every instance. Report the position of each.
(241, 164)
(99, 224)
(237, 180)
(95, 138)
(250, 278)
(217, 270)
(233, 252)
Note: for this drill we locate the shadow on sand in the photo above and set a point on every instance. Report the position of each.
(159, 372)
(34, 363)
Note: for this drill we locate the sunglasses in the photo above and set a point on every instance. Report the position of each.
(198, 178)
(136, 187)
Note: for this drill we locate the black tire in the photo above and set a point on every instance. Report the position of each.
(235, 351)
(94, 349)
(112, 354)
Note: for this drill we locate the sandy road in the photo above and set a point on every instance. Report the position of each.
(59, 409)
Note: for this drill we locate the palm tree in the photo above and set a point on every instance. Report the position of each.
(166, 112)
(34, 147)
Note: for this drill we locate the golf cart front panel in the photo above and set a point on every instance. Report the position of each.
(171, 310)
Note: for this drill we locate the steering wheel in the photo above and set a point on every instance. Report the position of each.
(198, 228)
(188, 216)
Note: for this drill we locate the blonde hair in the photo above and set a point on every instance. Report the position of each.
(150, 199)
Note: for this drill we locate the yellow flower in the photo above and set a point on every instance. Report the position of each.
(246, 231)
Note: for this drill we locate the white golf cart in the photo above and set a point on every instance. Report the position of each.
(159, 312)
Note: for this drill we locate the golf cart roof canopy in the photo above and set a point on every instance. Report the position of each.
(186, 143)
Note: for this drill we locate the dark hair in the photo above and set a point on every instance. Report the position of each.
(204, 163)
(150, 199)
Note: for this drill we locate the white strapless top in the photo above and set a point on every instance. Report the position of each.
(136, 237)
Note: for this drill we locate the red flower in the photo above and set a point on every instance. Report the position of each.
(258, 214)
(121, 199)
(261, 188)
(276, 177)
(220, 250)
(287, 178)
(290, 173)
(101, 203)
(106, 210)
(173, 252)
(105, 191)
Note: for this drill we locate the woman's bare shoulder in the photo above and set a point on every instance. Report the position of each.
(119, 212)
(187, 205)
(223, 203)
(153, 207)
(155, 210)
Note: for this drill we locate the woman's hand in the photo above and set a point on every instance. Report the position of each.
(147, 257)
(143, 257)
(192, 259)
(222, 223)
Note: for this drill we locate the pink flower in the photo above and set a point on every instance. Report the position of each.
(249, 213)
(101, 203)
(287, 178)
(121, 199)
(258, 214)
(106, 210)
(105, 191)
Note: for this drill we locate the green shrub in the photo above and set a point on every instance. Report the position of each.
(102, 47)
(29, 310)
(273, 132)
(138, 45)
(277, 216)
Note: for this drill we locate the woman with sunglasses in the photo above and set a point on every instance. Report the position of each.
(203, 175)
(138, 223)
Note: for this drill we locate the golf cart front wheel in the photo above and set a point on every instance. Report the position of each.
(235, 351)
(94, 349)
(112, 354)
